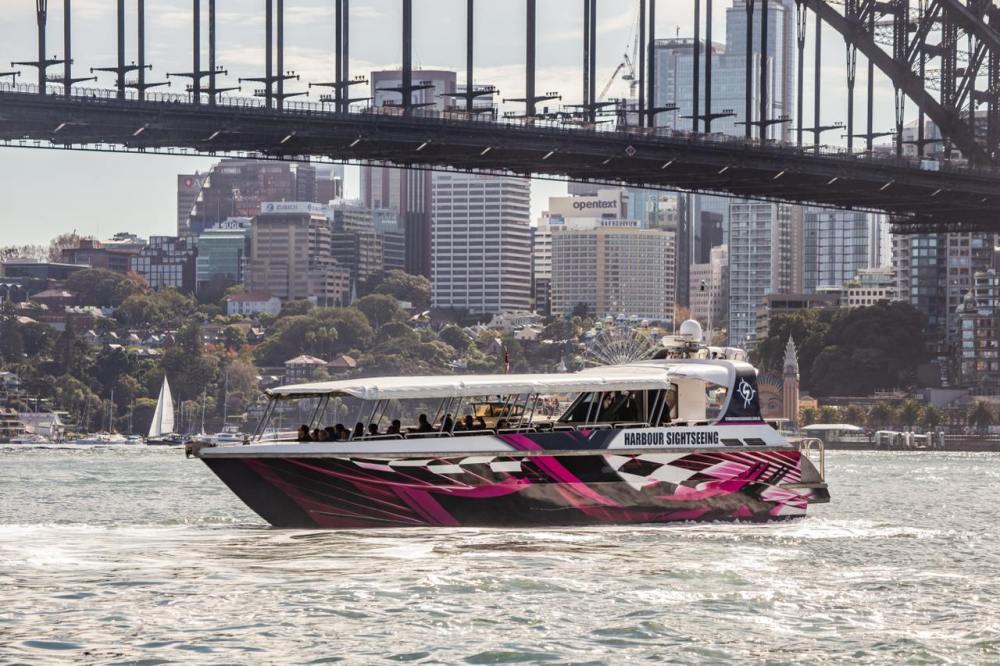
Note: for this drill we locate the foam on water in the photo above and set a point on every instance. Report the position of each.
(123, 555)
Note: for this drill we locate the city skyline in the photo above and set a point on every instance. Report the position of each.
(106, 205)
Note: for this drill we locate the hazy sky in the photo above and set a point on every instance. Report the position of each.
(50, 192)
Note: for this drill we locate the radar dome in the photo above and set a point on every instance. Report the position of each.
(690, 330)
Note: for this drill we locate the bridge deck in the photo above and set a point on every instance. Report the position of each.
(657, 159)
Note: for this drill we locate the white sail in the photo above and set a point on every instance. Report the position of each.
(163, 417)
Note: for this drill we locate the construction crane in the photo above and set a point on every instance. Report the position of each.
(627, 64)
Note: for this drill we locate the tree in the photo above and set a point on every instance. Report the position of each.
(379, 309)
(854, 415)
(909, 413)
(829, 414)
(233, 338)
(809, 416)
(103, 288)
(301, 334)
(413, 289)
(933, 416)
(879, 416)
(295, 308)
(11, 340)
(849, 352)
(980, 416)
(456, 337)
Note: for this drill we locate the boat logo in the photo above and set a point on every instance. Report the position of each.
(746, 392)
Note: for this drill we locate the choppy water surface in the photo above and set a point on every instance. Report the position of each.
(135, 555)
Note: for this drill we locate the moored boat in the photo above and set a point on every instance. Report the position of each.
(657, 441)
(161, 428)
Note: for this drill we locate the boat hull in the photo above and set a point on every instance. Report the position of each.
(517, 490)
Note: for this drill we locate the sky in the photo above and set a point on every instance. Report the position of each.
(48, 192)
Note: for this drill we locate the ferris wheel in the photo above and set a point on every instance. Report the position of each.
(620, 341)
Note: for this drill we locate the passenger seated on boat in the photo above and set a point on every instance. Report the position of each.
(303, 435)
(372, 429)
(469, 423)
(448, 424)
(501, 424)
(396, 428)
(481, 423)
(423, 425)
(319, 435)
(340, 432)
(331, 434)
(359, 431)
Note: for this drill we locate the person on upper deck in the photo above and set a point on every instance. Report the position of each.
(304, 434)
(469, 422)
(448, 424)
(396, 428)
(423, 425)
(372, 429)
(359, 431)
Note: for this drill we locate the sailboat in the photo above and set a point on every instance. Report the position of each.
(161, 430)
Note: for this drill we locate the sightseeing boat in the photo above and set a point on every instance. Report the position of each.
(655, 441)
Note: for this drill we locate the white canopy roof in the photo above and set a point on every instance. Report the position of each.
(820, 427)
(636, 377)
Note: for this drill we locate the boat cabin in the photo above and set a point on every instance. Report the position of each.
(645, 394)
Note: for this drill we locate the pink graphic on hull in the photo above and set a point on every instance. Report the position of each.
(528, 489)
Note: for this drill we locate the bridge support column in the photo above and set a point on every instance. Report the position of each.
(708, 66)
(764, 51)
(852, 72)
(281, 54)
(870, 117)
(642, 65)
(407, 56)
(338, 45)
(470, 36)
(748, 73)
(68, 47)
(651, 66)
(817, 82)
(196, 52)
(140, 22)
(41, 16)
(121, 49)
(529, 59)
(696, 66)
(592, 68)
(211, 53)
(268, 53)
(586, 57)
(800, 43)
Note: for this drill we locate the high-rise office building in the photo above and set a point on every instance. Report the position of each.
(709, 296)
(935, 272)
(188, 188)
(355, 243)
(612, 267)
(481, 243)
(393, 239)
(222, 252)
(760, 262)
(408, 191)
(291, 255)
(167, 261)
(836, 245)
(977, 352)
(236, 188)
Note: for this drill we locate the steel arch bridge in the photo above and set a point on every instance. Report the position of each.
(941, 58)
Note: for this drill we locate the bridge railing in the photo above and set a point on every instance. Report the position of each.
(456, 117)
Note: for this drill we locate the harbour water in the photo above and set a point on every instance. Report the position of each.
(139, 556)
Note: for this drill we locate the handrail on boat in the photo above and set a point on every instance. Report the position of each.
(807, 445)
